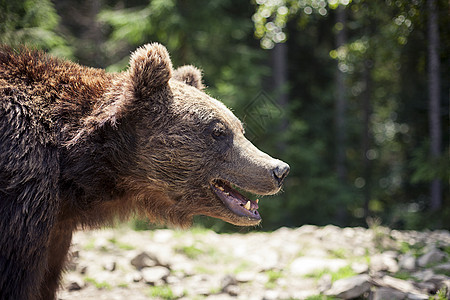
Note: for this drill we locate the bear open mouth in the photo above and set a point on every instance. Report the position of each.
(234, 201)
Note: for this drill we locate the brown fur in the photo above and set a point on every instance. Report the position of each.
(83, 148)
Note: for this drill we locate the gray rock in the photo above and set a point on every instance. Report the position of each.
(423, 275)
(143, 260)
(155, 275)
(228, 280)
(133, 276)
(246, 276)
(383, 262)
(407, 262)
(432, 256)
(232, 290)
(445, 267)
(440, 281)
(413, 296)
(307, 265)
(271, 295)
(404, 286)
(74, 282)
(110, 266)
(349, 288)
(384, 293)
(360, 268)
(324, 283)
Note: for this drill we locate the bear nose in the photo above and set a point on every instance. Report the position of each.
(280, 172)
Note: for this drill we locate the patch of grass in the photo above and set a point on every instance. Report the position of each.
(125, 246)
(344, 272)
(190, 251)
(199, 230)
(447, 250)
(416, 249)
(440, 295)
(403, 275)
(203, 270)
(90, 245)
(442, 272)
(243, 265)
(120, 245)
(214, 290)
(99, 285)
(338, 253)
(273, 277)
(163, 292)
(123, 285)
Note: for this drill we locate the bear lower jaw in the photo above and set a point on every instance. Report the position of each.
(244, 211)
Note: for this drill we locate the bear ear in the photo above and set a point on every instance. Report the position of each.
(150, 68)
(189, 75)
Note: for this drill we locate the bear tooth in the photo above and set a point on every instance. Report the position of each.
(247, 205)
(257, 200)
(220, 188)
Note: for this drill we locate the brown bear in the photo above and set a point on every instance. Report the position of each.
(82, 148)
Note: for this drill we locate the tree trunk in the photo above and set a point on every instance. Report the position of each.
(280, 72)
(340, 112)
(434, 100)
(366, 141)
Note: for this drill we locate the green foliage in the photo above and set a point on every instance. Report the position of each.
(440, 295)
(33, 23)
(426, 169)
(384, 60)
(162, 292)
(344, 272)
(273, 276)
(99, 285)
(190, 251)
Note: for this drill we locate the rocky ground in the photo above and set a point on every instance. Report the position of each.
(305, 263)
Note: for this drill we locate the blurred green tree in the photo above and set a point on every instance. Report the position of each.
(32, 23)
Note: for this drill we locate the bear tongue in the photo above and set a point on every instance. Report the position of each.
(236, 202)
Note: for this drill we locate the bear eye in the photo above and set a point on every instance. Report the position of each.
(218, 132)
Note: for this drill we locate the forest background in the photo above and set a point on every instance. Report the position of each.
(354, 95)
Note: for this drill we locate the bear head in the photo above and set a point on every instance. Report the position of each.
(189, 154)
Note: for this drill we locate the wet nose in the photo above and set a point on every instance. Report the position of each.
(280, 172)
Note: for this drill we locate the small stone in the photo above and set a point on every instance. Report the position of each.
(432, 256)
(413, 296)
(83, 269)
(360, 268)
(349, 288)
(383, 262)
(307, 265)
(75, 283)
(245, 276)
(155, 275)
(384, 293)
(143, 260)
(407, 262)
(324, 283)
(227, 281)
(445, 267)
(423, 275)
(111, 266)
(428, 287)
(133, 276)
(271, 295)
(232, 290)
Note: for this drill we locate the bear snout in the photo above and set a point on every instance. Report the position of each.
(280, 172)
